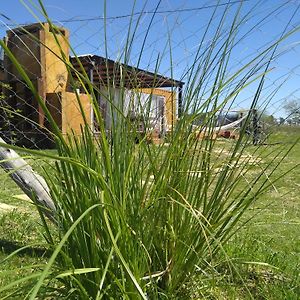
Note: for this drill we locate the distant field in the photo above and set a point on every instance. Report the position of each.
(264, 255)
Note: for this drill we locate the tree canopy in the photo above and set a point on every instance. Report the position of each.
(292, 108)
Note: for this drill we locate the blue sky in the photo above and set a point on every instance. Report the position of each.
(180, 24)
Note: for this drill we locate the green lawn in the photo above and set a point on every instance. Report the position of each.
(19, 226)
(260, 262)
(269, 242)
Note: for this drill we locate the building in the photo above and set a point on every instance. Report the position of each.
(43, 52)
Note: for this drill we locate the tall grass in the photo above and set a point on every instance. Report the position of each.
(137, 220)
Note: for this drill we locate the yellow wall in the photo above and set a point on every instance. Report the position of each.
(65, 111)
(54, 69)
(170, 98)
(40, 56)
(72, 118)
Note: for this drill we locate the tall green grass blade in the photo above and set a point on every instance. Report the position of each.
(51, 261)
(118, 252)
(77, 272)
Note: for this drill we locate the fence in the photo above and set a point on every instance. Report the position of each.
(152, 67)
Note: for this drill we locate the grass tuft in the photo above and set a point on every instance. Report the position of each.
(137, 220)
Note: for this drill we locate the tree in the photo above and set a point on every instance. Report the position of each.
(292, 108)
(267, 119)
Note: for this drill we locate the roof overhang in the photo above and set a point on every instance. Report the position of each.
(108, 72)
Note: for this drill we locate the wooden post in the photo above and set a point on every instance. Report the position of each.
(31, 183)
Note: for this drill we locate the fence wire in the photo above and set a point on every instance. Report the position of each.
(174, 42)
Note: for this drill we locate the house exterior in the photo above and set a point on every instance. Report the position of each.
(35, 47)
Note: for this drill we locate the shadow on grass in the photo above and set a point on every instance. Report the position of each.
(9, 247)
